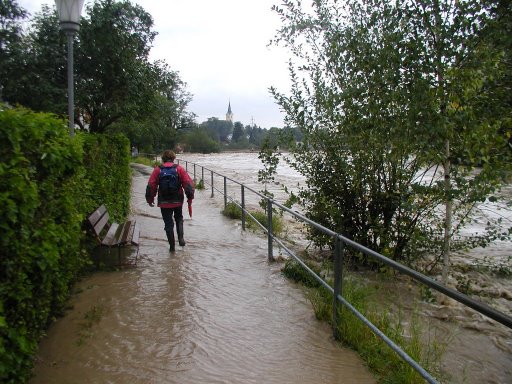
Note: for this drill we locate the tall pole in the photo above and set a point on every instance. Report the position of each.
(71, 100)
(69, 17)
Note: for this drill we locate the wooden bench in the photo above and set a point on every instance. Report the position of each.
(114, 235)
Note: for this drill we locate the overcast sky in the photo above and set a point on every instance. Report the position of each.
(220, 50)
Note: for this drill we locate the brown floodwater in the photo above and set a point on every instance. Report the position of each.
(474, 349)
(216, 311)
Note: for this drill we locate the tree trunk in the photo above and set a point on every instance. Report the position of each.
(438, 46)
(448, 212)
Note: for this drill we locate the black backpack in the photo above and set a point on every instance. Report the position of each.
(169, 183)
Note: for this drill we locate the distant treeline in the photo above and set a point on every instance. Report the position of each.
(214, 135)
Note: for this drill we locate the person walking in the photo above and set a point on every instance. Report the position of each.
(171, 182)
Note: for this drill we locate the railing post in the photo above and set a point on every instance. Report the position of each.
(338, 284)
(212, 184)
(269, 230)
(202, 175)
(194, 172)
(225, 193)
(243, 206)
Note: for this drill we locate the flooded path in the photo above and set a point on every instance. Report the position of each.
(476, 349)
(214, 312)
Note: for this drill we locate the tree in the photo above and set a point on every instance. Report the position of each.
(11, 15)
(380, 91)
(200, 140)
(157, 128)
(256, 135)
(219, 128)
(37, 74)
(114, 78)
(497, 34)
(41, 78)
(459, 63)
(238, 132)
(188, 121)
(117, 88)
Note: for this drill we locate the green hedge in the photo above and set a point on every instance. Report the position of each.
(49, 182)
(107, 161)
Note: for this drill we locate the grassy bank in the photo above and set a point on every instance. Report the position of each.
(406, 331)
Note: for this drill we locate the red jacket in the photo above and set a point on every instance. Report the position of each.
(187, 186)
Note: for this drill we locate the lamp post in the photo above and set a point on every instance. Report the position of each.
(69, 17)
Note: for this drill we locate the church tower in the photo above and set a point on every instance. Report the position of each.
(229, 114)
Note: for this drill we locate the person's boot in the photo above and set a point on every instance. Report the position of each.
(170, 238)
(179, 229)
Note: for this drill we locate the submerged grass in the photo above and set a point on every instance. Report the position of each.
(380, 358)
(233, 211)
(91, 318)
(144, 160)
(200, 185)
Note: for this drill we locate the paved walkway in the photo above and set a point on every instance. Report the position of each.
(214, 312)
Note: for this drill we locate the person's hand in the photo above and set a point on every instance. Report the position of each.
(151, 204)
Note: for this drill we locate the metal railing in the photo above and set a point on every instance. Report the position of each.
(339, 244)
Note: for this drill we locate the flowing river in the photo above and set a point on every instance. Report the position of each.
(216, 311)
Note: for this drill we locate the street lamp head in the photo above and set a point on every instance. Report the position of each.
(69, 14)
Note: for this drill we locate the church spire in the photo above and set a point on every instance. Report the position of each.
(229, 114)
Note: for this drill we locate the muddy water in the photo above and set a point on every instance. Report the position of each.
(214, 312)
(476, 349)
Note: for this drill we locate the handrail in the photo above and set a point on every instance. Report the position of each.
(340, 242)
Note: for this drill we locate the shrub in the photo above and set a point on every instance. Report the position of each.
(45, 194)
(40, 221)
(232, 211)
(261, 217)
(293, 270)
(107, 160)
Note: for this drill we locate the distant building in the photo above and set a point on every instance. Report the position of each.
(229, 114)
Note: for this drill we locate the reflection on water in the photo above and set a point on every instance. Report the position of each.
(215, 312)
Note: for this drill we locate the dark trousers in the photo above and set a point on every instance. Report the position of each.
(167, 214)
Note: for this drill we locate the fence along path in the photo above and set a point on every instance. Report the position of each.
(216, 311)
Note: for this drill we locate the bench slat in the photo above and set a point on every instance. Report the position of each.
(126, 232)
(96, 215)
(100, 225)
(111, 238)
(136, 234)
